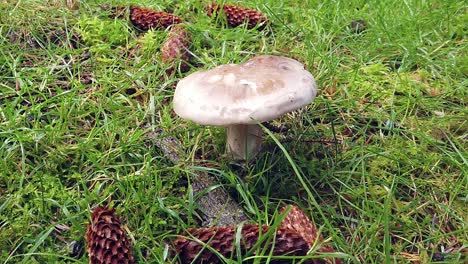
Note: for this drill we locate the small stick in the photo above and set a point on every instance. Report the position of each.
(217, 206)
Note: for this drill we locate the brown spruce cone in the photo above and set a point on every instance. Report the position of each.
(107, 240)
(237, 15)
(146, 19)
(296, 220)
(295, 236)
(222, 239)
(176, 47)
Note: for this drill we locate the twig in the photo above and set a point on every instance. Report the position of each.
(217, 207)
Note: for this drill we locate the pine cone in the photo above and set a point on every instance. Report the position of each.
(222, 239)
(145, 18)
(237, 15)
(296, 220)
(295, 236)
(176, 47)
(107, 240)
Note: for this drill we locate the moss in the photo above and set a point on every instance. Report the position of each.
(97, 31)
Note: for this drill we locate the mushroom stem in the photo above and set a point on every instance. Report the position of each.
(244, 141)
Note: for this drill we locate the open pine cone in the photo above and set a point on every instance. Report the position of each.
(107, 240)
(237, 15)
(176, 47)
(146, 19)
(295, 236)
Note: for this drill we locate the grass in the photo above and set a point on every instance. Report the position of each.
(378, 161)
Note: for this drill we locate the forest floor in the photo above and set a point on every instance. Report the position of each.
(378, 161)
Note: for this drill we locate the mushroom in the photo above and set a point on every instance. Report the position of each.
(239, 97)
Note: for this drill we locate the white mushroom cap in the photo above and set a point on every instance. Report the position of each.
(258, 90)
